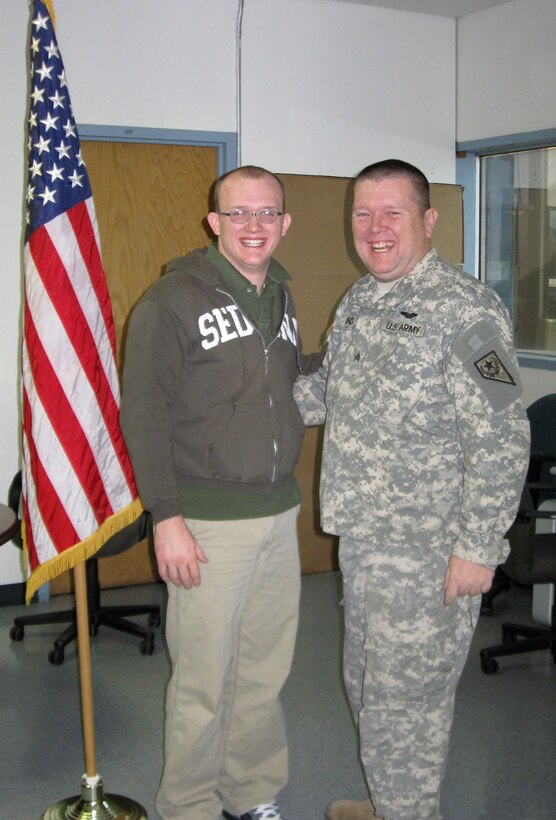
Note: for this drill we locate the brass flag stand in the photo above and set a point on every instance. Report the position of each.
(92, 803)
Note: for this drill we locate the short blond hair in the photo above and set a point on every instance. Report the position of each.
(251, 172)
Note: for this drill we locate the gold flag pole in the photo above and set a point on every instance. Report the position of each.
(85, 670)
(50, 7)
(92, 804)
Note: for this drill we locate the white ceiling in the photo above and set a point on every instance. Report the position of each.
(444, 8)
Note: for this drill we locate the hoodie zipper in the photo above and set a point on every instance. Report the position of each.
(275, 447)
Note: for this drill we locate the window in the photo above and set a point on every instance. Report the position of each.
(518, 241)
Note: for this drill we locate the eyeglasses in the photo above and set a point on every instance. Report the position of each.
(265, 216)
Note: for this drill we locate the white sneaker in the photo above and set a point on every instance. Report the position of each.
(266, 811)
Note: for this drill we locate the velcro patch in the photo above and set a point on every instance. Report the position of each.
(487, 361)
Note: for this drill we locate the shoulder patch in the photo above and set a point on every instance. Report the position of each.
(490, 367)
(489, 363)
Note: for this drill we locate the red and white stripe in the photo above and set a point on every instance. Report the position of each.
(76, 469)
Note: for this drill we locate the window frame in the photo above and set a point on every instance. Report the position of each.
(468, 166)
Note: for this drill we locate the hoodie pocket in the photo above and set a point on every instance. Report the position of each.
(242, 450)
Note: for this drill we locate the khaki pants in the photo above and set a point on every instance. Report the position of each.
(231, 642)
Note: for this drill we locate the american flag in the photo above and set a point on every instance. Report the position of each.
(78, 485)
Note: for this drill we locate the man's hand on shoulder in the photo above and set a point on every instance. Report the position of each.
(465, 578)
(178, 553)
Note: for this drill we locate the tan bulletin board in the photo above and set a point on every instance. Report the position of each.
(319, 254)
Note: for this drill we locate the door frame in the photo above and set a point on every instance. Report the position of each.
(225, 142)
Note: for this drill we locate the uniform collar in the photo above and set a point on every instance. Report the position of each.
(366, 291)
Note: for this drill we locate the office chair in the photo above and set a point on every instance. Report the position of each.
(542, 464)
(532, 560)
(542, 471)
(112, 616)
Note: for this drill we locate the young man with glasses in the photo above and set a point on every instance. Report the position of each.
(214, 434)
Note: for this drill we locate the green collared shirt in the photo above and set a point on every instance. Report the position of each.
(264, 311)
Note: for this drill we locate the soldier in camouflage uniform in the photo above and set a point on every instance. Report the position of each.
(426, 447)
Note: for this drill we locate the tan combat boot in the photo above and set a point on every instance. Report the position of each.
(350, 810)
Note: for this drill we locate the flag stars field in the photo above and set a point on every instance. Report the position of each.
(55, 157)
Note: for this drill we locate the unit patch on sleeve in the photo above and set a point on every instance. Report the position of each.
(490, 367)
(488, 362)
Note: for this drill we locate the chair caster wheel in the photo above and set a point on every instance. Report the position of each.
(17, 633)
(489, 665)
(154, 620)
(146, 647)
(56, 657)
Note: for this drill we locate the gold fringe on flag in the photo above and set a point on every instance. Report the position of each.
(83, 550)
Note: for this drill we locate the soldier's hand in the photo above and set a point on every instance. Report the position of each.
(177, 553)
(465, 578)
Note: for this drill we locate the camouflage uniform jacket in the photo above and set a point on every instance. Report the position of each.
(426, 440)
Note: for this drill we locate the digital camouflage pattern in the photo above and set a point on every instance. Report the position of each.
(404, 652)
(426, 448)
(415, 444)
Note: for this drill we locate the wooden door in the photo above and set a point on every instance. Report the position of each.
(151, 202)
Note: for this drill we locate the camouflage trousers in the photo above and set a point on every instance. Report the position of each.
(404, 652)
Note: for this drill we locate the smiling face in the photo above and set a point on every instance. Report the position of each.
(249, 247)
(391, 231)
